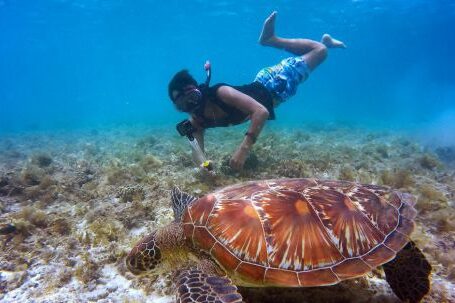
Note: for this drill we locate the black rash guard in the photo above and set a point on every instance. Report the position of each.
(234, 116)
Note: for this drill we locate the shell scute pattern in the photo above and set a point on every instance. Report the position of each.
(302, 232)
(295, 226)
(242, 190)
(351, 230)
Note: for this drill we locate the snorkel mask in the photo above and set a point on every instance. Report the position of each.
(189, 99)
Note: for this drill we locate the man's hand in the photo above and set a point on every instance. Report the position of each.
(206, 174)
(239, 157)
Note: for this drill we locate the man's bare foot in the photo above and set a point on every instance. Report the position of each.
(268, 30)
(328, 41)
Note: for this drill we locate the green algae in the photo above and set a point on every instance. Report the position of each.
(293, 169)
(41, 159)
(104, 230)
(87, 270)
(430, 198)
(428, 161)
(347, 173)
(32, 175)
(397, 178)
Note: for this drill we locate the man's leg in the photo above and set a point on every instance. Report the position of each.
(313, 52)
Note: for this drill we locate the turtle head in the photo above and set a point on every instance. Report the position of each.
(145, 256)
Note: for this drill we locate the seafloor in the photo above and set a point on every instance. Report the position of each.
(73, 203)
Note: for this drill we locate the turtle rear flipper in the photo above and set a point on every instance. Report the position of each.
(195, 286)
(408, 273)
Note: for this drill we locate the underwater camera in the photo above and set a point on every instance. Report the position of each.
(185, 128)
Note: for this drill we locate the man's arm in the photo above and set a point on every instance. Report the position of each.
(258, 114)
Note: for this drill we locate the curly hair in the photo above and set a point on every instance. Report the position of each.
(179, 81)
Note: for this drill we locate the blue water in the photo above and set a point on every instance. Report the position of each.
(69, 64)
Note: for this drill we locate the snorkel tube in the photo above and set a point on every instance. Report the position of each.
(208, 70)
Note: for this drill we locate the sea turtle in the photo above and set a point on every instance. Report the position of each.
(285, 233)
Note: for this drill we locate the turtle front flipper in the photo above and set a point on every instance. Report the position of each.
(180, 200)
(194, 285)
(408, 273)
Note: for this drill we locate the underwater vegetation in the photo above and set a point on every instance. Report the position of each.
(446, 154)
(71, 211)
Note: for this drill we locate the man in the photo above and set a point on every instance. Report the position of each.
(224, 105)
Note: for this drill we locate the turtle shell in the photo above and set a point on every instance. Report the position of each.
(300, 232)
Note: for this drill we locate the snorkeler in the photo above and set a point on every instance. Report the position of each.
(225, 105)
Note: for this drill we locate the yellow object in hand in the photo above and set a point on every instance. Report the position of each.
(207, 165)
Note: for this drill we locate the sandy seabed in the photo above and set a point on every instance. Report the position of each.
(72, 204)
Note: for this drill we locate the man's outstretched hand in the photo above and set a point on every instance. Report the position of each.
(239, 158)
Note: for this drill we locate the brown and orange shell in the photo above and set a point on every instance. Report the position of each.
(300, 232)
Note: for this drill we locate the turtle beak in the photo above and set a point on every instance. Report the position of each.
(132, 263)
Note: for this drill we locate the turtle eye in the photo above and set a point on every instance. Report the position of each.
(145, 256)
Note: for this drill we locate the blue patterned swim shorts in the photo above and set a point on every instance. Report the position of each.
(282, 79)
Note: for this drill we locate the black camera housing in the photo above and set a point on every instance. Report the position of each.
(185, 128)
